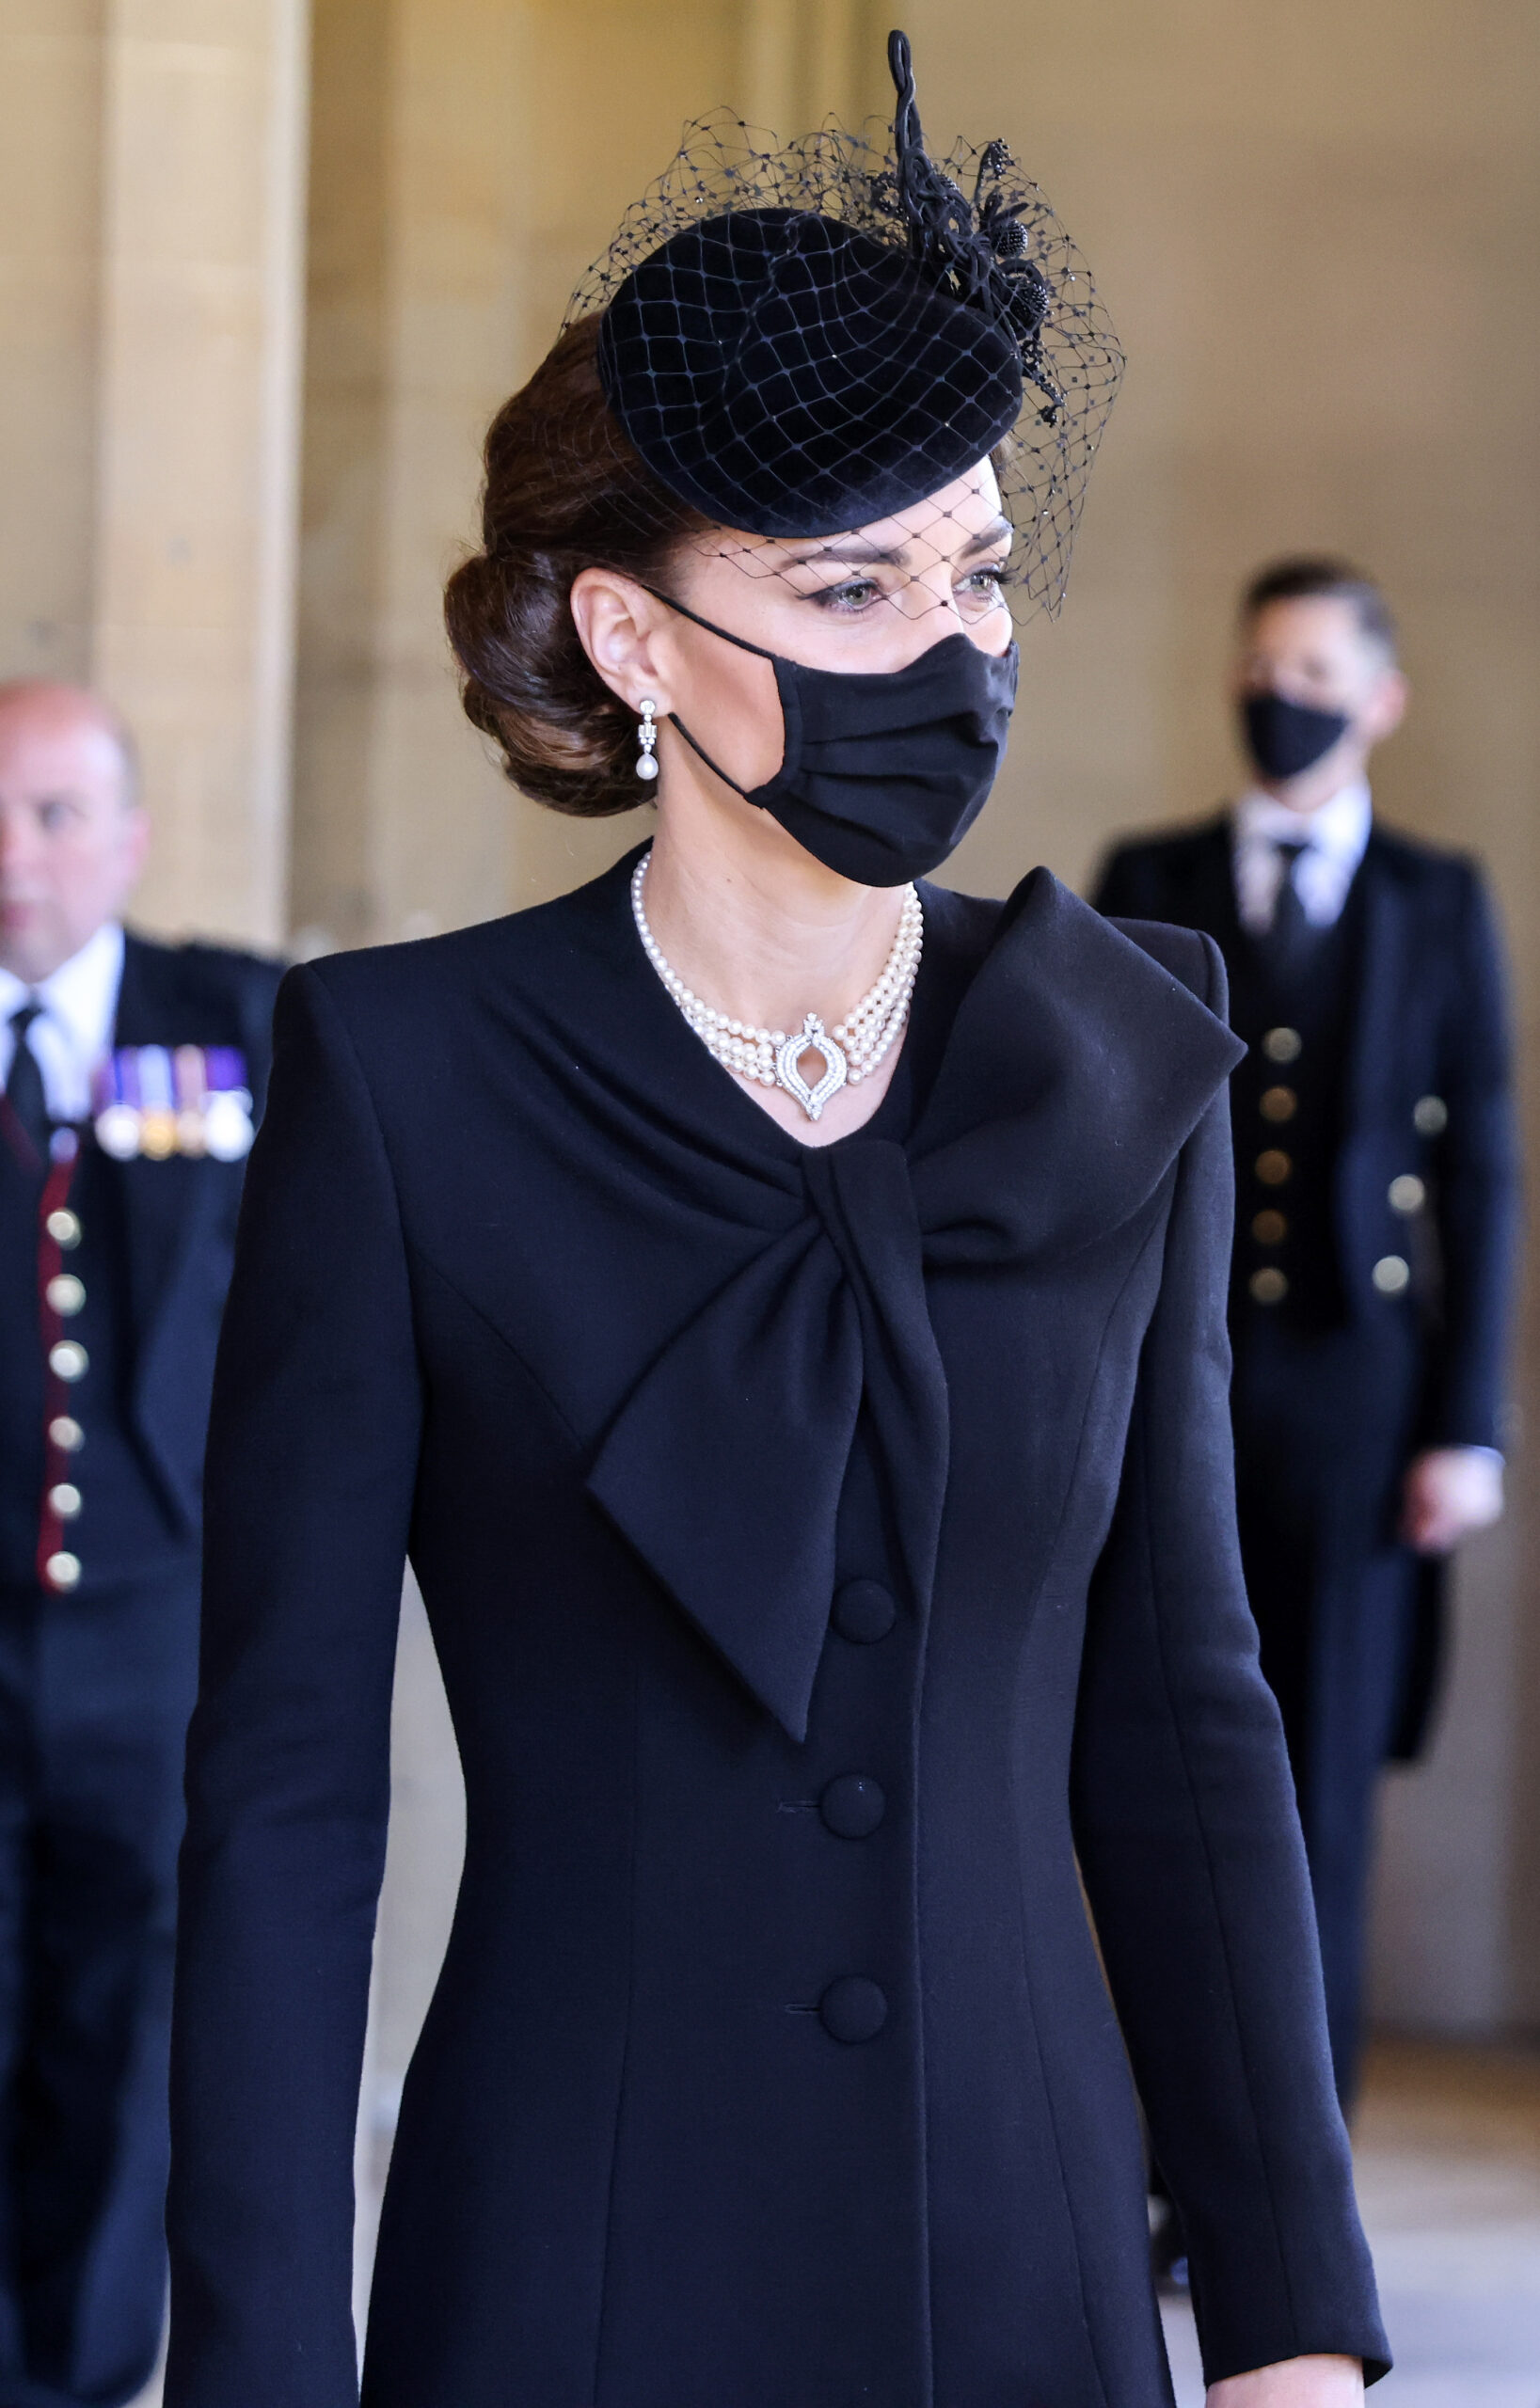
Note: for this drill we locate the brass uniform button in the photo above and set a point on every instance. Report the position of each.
(64, 1499)
(62, 1571)
(1268, 1287)
(63, 1228)
(1273, 1167)
(68, 1359)
(1391, 1275)
(66, 1434)
(1430, 1115)
(1282, 1045)
(65, 1294)
(1407, 1193)
(1279, 1104)
(1269, 1229)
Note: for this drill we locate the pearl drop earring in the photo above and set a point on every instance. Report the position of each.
(646, 738)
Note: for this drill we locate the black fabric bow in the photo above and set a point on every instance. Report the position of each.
(1096, 1080)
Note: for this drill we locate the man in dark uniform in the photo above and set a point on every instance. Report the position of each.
(1377, 1202)
(131, 1072)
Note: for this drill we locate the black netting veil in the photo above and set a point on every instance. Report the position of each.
(803, 338)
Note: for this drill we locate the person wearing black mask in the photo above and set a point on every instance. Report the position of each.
(1375, 1193)
(778, 1304)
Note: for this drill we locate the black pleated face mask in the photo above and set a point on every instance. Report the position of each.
(883, 775)
(1285, 738)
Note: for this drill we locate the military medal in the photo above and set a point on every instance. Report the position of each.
(158, 1101)
(118, 1119)
(157, 1116)
(188, 1075)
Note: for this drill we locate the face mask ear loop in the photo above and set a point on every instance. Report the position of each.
(701, 755)
(742, 642)
(744, 645)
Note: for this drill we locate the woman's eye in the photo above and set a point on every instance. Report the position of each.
(987, 584)
(856, 593)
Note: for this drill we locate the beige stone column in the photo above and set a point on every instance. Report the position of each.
(50, 215)
(471, 157)
(769, 73)
(421, 138)
(203, 212)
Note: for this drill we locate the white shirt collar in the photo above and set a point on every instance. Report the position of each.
(1335, 839)
(1339, 829)
(75, 1032)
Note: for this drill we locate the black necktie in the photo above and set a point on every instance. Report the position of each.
(1291, 940)
(24, 1087)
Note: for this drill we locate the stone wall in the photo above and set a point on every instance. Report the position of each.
(468, 162)
(151, 184)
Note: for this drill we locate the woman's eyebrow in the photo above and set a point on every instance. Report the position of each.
(1000, 532)
(853, 551)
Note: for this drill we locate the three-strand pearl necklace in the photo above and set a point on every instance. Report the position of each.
(850, 1050)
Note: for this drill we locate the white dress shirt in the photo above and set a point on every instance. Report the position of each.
(1334, 839)
(72, 1033)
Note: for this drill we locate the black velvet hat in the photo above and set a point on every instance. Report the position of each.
(799, 341)
(794, 376)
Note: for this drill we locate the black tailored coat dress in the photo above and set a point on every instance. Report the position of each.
(822, 1546)
(1414, 1174)
(96, 1685)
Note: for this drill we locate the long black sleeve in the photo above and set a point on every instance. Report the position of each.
(1191, 1852)
(1476, 1189)
(288, 1778)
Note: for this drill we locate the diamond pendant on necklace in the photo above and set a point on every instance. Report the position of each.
(811, 1037)
(850, 1051)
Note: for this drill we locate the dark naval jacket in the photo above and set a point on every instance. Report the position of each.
(131, 1259)
(824, 1549)
(1395, 1167)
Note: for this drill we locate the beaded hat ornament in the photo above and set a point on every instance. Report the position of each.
(804, 340)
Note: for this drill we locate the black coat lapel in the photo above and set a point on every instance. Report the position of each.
(163, 1204)
(1382, 977)
(1209, 902)
(1383, 965)
(177, 1218)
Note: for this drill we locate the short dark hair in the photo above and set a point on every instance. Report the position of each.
(1307, 574)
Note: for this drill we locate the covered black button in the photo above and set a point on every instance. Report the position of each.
(852, 1806)
(853, 2009)
(865, 1612)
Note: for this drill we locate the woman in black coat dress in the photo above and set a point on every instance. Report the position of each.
(808, 1427)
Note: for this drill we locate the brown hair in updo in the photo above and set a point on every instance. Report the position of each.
(564, 491)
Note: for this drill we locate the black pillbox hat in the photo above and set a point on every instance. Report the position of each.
(793, 376)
